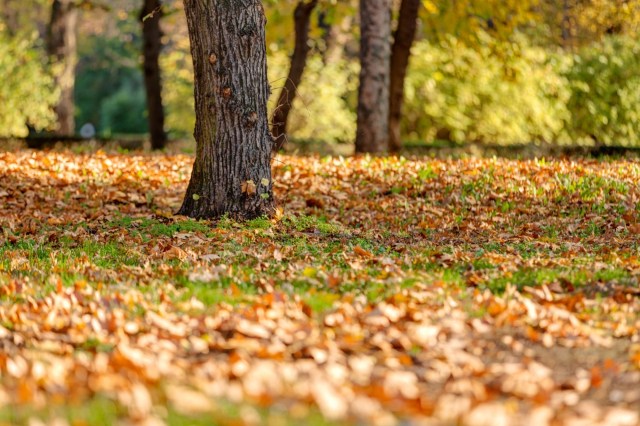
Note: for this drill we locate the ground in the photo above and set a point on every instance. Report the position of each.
(386, 291)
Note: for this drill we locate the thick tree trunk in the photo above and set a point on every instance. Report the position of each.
(404, 36)
(373, 95)
(232, 171)
(152, 39)
(302, 16)
(61, 47)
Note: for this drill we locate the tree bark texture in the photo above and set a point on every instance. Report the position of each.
(152, 45)
(62, 49)
(403, 39)
(302, 17)
(373, 95)
(232, 170)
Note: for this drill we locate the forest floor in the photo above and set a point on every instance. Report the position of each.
(386, 291)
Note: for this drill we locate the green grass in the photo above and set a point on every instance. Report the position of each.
(102, 411)
(578, 277)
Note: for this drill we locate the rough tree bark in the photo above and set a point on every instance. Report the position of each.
(302, 17)
(61, 47)
(232, 171)
(403, 39)
(150, 15)
(373, 95)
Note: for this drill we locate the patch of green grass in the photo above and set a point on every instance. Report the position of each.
(95, 345)
(427, 173)
(505, 206)
(319, 302)
(259, 223)
(551, 232)
(593, 229)
(606, 275)
(526, 250)
(481, 263)
(305, 223)
(102, 411)
(96, 411)
(213, 292)
(110, 255)
(589, 187)
(493, 247)
(453, 276)
(533, 277)
(157, 228)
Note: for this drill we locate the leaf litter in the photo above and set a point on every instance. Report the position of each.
(386, 291)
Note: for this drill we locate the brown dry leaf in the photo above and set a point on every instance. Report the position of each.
(249, 187)
(174, 252)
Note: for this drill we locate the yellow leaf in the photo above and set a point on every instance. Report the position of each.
(310, 272)
(249, 187)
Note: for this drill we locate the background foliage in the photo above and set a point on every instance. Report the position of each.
(495, 72)
(605, 92)
(27, 93)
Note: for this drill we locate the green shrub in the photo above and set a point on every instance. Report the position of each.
(605, 100)
(27, 93)
(124, 112)
(495, 92)
(324, 108)
(109, 90)
(177, 90)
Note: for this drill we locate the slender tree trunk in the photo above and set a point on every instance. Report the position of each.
(403, 39)
(152, 37)
(337, 40)
(9, 14)
(327, 34)
(232, 171)
(62, 49)
(373, 95)
(566, 24)
(302, 16)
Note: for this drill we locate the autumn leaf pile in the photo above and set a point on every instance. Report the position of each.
(386, 291)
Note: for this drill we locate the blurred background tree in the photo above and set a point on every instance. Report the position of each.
(28, 92)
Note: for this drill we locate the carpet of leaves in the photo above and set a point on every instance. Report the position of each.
(386, 291)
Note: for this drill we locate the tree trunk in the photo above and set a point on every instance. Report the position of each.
(61, 47)
(404, 36)
(232, 171)
(327, 34)
(9, 13)
(373, 95)
(566, 24)
(302, 16)
(337, 40)
(152, 39)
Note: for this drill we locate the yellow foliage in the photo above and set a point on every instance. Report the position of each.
(323, 108)
(466, 19)
(27, 90)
